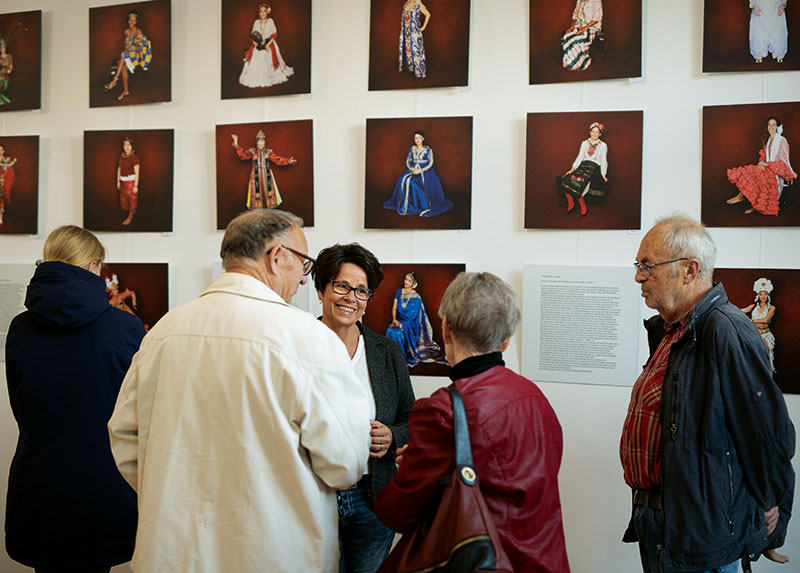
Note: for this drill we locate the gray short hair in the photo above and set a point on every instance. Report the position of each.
(481, 311)
(249, 233)
(688, 238)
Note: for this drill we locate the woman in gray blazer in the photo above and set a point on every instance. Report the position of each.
(346, 277)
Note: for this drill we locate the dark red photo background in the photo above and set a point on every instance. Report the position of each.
(25, 82)
(446, 41)
(106, 42)
(433, 281)
(388, 143)
(150, 283)
(622, 24)
(292, 19)
(295, 182)
(726, 39)
(739, 286)
(101, 208)
(21, 213)
(553, 142)
(732, 136)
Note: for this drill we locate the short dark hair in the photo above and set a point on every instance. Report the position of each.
(330, 261)
(249, 233)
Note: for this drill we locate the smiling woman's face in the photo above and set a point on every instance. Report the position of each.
(344, 310)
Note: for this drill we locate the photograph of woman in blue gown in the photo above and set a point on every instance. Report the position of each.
(410, 326)
(419, 191)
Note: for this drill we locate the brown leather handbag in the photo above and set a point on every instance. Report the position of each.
(459, 535)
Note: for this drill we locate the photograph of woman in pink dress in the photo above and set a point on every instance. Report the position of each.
(762, 185)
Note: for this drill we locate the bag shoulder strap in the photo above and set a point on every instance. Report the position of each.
(464, 464)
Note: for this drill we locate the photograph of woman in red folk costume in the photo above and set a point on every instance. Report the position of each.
(137, 52)
(128, 166)
(264, 65)
(262, 190)
(762, 185)
(7, 178)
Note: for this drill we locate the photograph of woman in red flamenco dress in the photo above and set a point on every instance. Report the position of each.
(762, 185)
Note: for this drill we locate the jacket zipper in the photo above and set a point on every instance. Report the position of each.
(730, 499)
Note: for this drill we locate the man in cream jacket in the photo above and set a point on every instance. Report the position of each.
(239, 416)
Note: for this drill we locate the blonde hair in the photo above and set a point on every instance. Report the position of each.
(74, 245)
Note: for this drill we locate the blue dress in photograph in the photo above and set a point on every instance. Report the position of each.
(415, 334)
(419, 193)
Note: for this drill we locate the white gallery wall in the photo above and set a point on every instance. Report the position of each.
(671, 93)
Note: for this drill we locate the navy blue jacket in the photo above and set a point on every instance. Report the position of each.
(727, 441)
(66, 356)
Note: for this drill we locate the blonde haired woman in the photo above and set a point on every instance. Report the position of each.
(68, 508)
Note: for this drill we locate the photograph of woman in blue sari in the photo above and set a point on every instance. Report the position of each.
(419, 191)
(410, 326)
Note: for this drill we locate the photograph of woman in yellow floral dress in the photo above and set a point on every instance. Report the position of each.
(137, 52)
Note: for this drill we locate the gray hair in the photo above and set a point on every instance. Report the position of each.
(481, 311)
(688, 238)
(249, 233)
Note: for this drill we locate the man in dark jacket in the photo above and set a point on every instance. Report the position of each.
(707, 442)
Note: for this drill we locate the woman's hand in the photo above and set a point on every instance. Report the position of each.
(398, 456)
(605, 178)
(781, 10)
(118, 185)
(757, 11)
(235, 139)
(381, 439)
(396, 323)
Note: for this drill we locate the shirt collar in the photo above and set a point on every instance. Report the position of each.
(475, 365)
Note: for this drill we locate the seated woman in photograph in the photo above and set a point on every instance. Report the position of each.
(7, 178)
(263, 63)
(412, 46)
(410, 327)
(514, 433)
(128, 170)
(345, 277)
(768, 31)
(761, 313)
(419, 191)
(762, 184)
(587, 178)
(587, 21)
(68, 507)
(137, 53)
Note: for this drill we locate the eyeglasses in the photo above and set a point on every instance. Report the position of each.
(645, 269)
(308, 262)
(343, 289)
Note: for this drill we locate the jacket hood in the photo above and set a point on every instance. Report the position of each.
(66, 296)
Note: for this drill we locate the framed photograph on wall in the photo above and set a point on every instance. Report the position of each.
(418, 44)
(405, 309)
(128, 180)
(768, 297)
(583, 170)
(141, 289)
(418, 173)
(21, 60)
(266, 48)
(757, 36)
(130, 53)
(582, 40)
(265, 165)
(19, 185)
(748, 179)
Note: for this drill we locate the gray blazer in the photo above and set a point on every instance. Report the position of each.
(394, 397)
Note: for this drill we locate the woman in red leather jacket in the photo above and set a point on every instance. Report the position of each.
(515, 435)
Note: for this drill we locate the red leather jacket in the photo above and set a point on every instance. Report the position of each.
(516, 447)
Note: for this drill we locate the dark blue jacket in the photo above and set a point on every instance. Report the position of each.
(66, 356)
(727, 441)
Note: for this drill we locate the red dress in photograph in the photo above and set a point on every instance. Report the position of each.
(128, 198)
(761, 187)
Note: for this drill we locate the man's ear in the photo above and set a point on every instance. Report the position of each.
(446, 334)
(272, 255)
(691, 271)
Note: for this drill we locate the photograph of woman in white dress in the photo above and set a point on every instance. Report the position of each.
(768, 31)
(761, 313)
(263, 63)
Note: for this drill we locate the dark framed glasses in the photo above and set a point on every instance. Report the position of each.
(308, 262)
(343, 289)
(646, 269)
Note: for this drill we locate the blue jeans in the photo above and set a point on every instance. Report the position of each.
(648, 523)
(364, 542)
